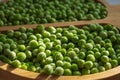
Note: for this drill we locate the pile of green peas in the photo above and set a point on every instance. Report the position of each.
(18, 12)
(68, 51)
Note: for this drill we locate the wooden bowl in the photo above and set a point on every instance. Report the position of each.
(7, 72)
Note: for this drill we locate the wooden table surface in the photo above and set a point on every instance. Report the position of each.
(9, 73)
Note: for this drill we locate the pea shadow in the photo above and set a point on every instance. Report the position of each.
(47, 77)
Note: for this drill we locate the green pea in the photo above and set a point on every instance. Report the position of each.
(90, 57)
(21, 56)
(81, 63)
(67, 72)
(12, 55)
(107, 66)
(41, 56)
(33, 43)
(101, 68)
(114, 63)
(59, 71)
(21, 47)
(74, 67)
(16, 63)
(82, 55)
(77, 73)
(48, 69)
(94, 70)
(88, 64)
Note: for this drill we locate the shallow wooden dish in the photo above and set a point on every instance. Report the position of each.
(7, 72)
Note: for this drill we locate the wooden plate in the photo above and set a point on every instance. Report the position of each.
(7, 72)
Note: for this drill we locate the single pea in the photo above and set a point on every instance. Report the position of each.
(105, 53)
(6, 46)
(34, 52)
(74, 67)
(57, 42)
(46, 34)
(67, 72)
(58, 56)
(95, 50)
(59, 71)
(58, 47)
(39, 36)
(24, 66)
(48, 52)
(49, 60)
(108, 45)
(59, 30)
(114, 63)
(81, 42)
(82, 55)
(13, 46)
(81, 31)
(33, 43)
(67, 59)
(101, 68)
(41, 49)
(92, 27)
(90, 36)
(22, 29)
(90, 57)
(77, 73)
(97, 55)
(41, 56)
(90, 52)
(83, 36)
(21, 47)
(88, 64)
(16, 63)
(64, 39)
(113, 38)
(51, 29)
(89, 46)
(110, 33)
(59, 63)
(63, 51)
(67, 65)
(59, 35)
(28, 54)
(23, 36)
(32, 37)
(17, 34)
(21, 56)
(107, 66)
(81, 63)
(45, 40)
(94, 70)
(97, 39)
(104, 58)
(48, 69)
(53, 37)
(72, 54)
(71, 45)
(103, 34)
(12, 55)
(40, 28)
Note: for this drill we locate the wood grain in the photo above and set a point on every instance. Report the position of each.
(7, 72)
